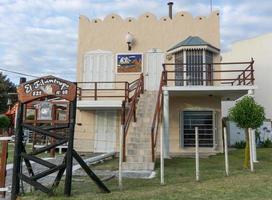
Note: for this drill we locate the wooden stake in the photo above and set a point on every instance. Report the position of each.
(226, 152)
(196, 154)
(162, 157)
(120, 156)
(250, 150)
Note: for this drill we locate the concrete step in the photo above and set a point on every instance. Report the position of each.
(138, 147)
(139, 159)
(138, 166)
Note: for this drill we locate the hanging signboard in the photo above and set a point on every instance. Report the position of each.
(46, 86)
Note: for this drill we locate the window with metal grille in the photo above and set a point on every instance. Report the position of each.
(201, 119)
(194, 67)
(190, 69)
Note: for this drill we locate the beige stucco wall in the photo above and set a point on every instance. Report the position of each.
(259, 48)
(85, 131)
(149, 32)
(178, 104)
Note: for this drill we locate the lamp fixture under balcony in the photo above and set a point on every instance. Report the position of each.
(129, 40)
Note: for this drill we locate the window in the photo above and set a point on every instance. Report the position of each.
(194, 67)
(201, 119)
(98, 66)
(190, 69)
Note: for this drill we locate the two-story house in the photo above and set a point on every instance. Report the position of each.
(178, 59)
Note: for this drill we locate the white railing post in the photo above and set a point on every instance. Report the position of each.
(196, 154)
(120, 156)
(226, 152)
(250, 150)
(162, 157)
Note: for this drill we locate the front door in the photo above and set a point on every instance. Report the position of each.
(153, 65)
(105, 131)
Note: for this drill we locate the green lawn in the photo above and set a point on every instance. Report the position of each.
(181, 184)
(28, 149)
(10, 152)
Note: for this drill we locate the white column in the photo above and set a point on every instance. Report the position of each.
(251, 150)
(120, 156)
(196, 154)
(166, 123)
(226, 152)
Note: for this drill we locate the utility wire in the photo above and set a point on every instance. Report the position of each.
(18, 73)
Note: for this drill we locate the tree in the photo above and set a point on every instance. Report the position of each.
(4, 122)
(247, 114)
(6, 86)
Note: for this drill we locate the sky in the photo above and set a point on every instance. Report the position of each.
(39, 37)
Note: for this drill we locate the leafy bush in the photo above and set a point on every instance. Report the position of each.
(30, 117)
(247, 114)
(240, 145)
(4, 121)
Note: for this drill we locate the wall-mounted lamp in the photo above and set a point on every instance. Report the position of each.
(129, 40)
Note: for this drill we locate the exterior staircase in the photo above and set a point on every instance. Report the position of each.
(138, 150)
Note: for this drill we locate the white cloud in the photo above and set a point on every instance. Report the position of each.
(40, 36)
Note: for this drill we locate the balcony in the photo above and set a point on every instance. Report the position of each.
(105, 94)
(229, 80)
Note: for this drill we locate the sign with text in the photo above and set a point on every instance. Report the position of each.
(46, 86)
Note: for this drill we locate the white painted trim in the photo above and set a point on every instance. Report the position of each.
(85, 105)
(6, 189)
(7, 138)
(208, 88)
(200, 47)
(98, 51)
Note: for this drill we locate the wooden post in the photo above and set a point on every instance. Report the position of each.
(70, 147)
(3, 164)
(252, 71)
(226, 152)
(250, 150)
(127, 91)
(95, 91)
(17, 153)
(196, 154)
(162, 157)
(52, 140)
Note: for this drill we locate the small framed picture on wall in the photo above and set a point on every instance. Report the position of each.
(129, 62)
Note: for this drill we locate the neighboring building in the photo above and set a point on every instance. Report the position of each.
(236, 134)
(258, 48)
(192, 91)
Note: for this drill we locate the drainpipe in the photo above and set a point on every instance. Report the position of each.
(170, 6)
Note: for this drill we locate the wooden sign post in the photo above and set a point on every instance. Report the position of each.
(43, 90)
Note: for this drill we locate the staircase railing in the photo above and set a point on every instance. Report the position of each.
(157, 118)
(129, 108)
